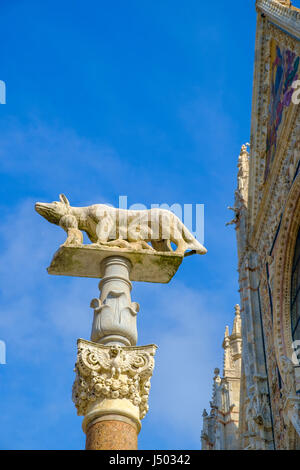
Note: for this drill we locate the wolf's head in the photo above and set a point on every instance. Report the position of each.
(54, 211)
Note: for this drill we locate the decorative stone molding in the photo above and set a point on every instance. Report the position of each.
(285, 247)
(288, 370)
(275, 198)
(292, 413)
(286, 3)
(293, 163)
(114, 312)
(280, 271)
(255, 426)
(112, 380)
(261, 194)
(267, 225)
(282, 13)
(290, 399)
(258, 420)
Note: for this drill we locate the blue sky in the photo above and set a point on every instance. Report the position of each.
(146, 99)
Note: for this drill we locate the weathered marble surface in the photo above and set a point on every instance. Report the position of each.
(112, 380)
(113, 227)
(86, 261)
(115, 315)
(111, 435)
(267, 214)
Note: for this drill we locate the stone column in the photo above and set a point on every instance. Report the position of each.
(114, 312)
(112, 375)
(111, 391)
(112, 382)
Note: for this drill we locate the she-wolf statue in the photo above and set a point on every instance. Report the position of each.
(131, 229)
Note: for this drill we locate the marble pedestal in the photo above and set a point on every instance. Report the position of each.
(112, 374)
(112, 382)
(87, 261)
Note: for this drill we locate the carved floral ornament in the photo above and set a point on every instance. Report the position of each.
(112, 372)
(277, 195)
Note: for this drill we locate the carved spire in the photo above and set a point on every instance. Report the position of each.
(226, 393)
(226, 340)
(232, 345)
(227, 353)
(243, 173)
(216, 383)
(237, 324)
(241, 193)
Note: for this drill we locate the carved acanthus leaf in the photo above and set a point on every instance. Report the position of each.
(112, 372)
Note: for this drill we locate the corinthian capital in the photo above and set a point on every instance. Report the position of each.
(112, 380)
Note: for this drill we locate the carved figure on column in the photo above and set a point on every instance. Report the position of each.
(112, 382)
(109, 226)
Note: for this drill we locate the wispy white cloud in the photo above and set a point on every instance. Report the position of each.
(54, 157)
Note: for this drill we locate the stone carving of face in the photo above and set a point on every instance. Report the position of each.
(53, 211)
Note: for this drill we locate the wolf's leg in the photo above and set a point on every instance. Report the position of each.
(181, 246)
(75, 237)
(70, 225)
(104, 229)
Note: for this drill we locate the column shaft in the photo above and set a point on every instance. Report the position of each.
(111, 435)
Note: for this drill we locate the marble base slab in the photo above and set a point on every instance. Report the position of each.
(86, 261)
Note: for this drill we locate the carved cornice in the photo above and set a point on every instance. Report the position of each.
(286, 17)
(112, 375)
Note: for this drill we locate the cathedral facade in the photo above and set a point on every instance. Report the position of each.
(256, 404)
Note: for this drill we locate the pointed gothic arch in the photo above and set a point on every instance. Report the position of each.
(284, 253)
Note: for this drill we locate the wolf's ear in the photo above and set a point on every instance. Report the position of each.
(64, 199)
